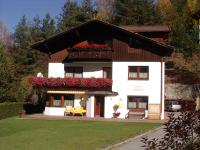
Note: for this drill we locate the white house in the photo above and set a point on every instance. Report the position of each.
(98, 65)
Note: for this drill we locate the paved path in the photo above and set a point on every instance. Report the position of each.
(135, 143)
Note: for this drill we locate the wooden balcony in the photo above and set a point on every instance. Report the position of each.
(90, 54)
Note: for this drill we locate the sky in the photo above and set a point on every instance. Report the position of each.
(12, 10)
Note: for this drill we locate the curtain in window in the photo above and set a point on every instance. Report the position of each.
(57, 101)
(142, 105)
(132, 72)
(78, 72)
(69, 103)
(144, 72)
(131, 104)
(69, 100)
(69, 72)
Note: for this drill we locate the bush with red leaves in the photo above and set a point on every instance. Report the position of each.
(181, 133)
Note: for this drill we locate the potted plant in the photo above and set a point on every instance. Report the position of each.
(116, 113)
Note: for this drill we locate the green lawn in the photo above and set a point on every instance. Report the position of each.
(22, 134)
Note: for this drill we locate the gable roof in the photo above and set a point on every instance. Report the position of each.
(94, 28)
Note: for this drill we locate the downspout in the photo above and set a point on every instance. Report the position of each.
(162, 90)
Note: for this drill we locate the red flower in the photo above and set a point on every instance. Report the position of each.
(85, 45)
(71, 82)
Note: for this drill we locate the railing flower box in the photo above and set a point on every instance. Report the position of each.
(70, 82)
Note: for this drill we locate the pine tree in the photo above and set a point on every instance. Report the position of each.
(177, 14)
(70, 16)
(136, 12)
(7, 75)
(74, 14)
(48, 26)
(87, 9)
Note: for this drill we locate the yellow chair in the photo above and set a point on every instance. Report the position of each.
(68, 110)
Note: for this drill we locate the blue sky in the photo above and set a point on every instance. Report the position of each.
(12, 10)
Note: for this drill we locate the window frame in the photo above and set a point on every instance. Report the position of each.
(138, 68)
(62, 99)
(137, 103)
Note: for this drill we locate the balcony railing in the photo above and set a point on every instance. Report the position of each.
(97, 83)
(90, 53)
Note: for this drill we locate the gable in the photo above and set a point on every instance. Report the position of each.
(97, 30)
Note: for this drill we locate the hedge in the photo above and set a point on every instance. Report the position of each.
(9, 109)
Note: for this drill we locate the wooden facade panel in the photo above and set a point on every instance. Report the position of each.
(122, 52)
(58, 56)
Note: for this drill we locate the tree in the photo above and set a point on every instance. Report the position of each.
(48, 26)
(7, 76)
(184, 34)
(71, 15)
(104, 10)
(28, 32)
(24, 36)
(87, 9)
(135, 12)
(5, 36)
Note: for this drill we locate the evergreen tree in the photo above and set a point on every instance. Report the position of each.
(73, 14)
(25, 57)
(70, 16)
(48, 26)
(135, 12)
(184, 34)
(87, 9)
(7, 75)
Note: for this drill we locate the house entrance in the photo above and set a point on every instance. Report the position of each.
(99, 106)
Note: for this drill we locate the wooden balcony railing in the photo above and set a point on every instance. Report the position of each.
(90, 54)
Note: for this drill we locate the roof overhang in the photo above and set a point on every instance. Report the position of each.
(90, 30)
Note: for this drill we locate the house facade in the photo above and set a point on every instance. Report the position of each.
(98, 66)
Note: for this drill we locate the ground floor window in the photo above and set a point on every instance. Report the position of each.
(137, 103)
(69, 100)
(58, 100)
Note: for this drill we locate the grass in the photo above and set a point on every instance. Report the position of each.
(38, 134)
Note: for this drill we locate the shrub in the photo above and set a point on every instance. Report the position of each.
(181, 133)
(9, 109)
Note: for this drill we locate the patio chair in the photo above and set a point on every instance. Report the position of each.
(68, 110)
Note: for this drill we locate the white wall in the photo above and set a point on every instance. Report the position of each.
(125, 87)
(54, 111)
(56, 70)
(90, 70)
(90, 107)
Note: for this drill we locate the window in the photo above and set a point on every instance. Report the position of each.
(56, 100)
(107, 72)
(137, 102)
(73, 72)
(69, 100)
(62, 100)
(138, 72)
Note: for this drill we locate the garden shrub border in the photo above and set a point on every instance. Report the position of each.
(10, 109)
